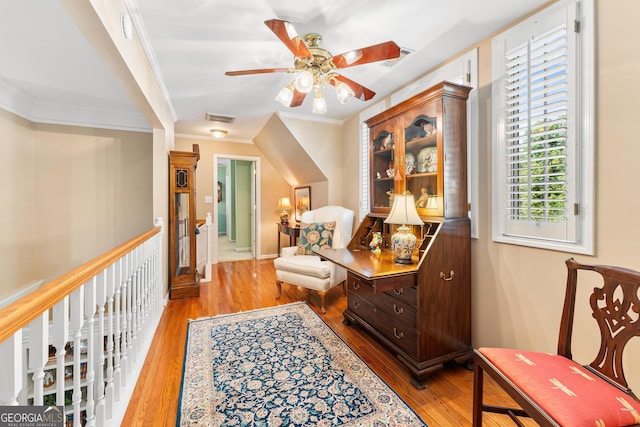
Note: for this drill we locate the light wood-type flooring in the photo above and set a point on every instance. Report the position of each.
(246, 285)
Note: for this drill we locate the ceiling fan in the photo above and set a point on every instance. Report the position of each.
(315, 67)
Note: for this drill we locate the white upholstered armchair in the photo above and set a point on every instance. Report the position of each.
(308, 270)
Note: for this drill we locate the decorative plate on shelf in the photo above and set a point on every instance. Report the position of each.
(427, 160)
(410, 163)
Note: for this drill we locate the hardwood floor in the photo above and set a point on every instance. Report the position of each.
(247, 285)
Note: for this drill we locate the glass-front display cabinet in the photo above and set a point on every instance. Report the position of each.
(184, 279)
(419, 147)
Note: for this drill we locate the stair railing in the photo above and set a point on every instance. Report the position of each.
(80, 340)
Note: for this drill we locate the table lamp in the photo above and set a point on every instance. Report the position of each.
(284, 204)
(404, 213)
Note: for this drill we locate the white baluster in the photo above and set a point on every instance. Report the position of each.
(133, 310)
(119, 328)
(11, 369)
(75, 329)
(111, 318)
(38, 353)
(209, 257)
(126, 306)
(89, 313)
(60, 338)
(101, 301)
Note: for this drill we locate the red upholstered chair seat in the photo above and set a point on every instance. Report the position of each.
(569, 393)
(554, 390)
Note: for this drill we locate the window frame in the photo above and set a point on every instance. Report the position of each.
(578, 231)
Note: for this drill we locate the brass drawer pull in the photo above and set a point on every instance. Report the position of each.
(444, 276)
(356, 304)
(355, 285)
(399, 291)
(395, 309)
(398, 335)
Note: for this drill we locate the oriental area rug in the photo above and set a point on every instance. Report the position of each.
(281, 366)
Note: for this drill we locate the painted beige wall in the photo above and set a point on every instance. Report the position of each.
(73, 194)
(272, 185)
(17, 215)
(518, 291)
(323, 142)
(92, 192)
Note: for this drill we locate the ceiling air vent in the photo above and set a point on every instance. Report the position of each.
(404, 51)
(210, 117)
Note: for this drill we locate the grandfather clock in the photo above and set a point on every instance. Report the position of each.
(184, 279)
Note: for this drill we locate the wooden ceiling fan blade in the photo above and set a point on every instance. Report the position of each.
(259, 71)
(359, 91)
(298, 98)
(287, 33)
(378, 52)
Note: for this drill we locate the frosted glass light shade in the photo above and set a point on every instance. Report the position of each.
(304, 81)
(285, 96)
(319, 104)
(344, 92)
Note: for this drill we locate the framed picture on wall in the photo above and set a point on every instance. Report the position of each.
(302, 201)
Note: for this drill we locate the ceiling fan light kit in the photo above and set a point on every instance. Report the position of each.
(315, 67)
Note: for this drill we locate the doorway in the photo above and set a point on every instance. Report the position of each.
(236, 210)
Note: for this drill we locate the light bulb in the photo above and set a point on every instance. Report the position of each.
(304, 81)
(344, 92)
(285, 96)
(319, 104)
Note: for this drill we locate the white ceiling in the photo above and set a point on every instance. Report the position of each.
(48, 69)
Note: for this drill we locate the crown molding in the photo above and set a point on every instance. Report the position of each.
(20, 103)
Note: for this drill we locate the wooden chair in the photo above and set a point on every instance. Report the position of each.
(553, 389)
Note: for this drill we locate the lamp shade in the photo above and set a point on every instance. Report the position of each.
(284, 203)
(404, 211)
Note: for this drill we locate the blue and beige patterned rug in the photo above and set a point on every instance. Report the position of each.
(280, 366)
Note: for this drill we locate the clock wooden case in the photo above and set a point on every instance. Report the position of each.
(184, 279)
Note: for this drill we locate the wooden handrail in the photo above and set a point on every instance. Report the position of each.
(20, 313)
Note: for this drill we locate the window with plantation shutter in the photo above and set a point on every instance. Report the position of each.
(363, 205)
(543, 151)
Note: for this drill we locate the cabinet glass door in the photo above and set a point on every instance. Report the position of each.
(384, 169)
(422, 161)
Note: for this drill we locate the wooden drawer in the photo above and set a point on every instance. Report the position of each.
(400, 334)
(388, 302)
(363, 286)
(361, 308)
(409, 295)
(395, 309)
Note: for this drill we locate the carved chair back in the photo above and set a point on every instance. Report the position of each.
(615, 306)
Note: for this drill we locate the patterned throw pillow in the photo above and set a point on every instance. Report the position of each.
(314, 236)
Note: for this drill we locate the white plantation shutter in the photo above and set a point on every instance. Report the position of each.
(539, 185)
(363, 205)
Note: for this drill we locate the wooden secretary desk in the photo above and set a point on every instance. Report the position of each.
(421, 311)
